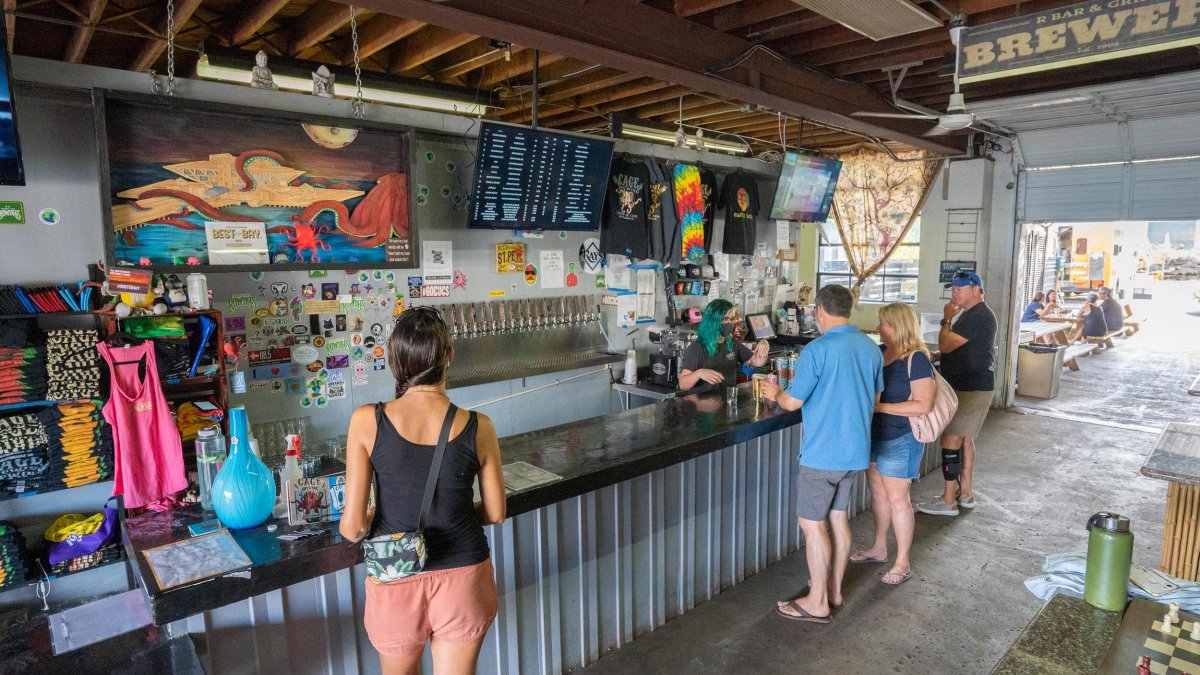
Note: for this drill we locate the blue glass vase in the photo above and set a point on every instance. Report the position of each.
(243, 493)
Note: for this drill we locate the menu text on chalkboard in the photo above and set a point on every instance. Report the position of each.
(527, 179)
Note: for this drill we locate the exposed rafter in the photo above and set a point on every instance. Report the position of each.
(376, 34)
(82, 37)
(425, 45)
(316, 23)
(254, 16)
(154, 48)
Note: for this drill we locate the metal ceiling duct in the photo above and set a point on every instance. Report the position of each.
(876, 19)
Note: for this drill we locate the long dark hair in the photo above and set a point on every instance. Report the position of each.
(418, 351)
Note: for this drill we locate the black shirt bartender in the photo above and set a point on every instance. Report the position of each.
(715, 357)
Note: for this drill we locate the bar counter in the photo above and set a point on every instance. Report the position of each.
(658, 508)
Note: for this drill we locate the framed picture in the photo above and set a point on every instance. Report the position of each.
(195, 559)
(224, 188)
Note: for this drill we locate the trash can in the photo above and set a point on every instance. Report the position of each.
(1039, 370)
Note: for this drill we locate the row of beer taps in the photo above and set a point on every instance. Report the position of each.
(493, 317)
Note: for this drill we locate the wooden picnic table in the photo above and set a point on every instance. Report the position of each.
(1045, 332)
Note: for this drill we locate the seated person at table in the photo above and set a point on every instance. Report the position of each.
(1114, 314)
(715, 357)
(1035, 309)
(1093, 324)
(1051, 307)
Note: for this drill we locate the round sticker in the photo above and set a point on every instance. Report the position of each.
(306, 402)
(531, 274)
(590, 257)
(377, 352)
(255, 321)
(304, 354)
(261, 313)
(357, 353)
(299, 329)
(323, 374)
(257, 276)
(389, 277)
(363, 276)
(369, 342)
(318, 341)
(322, 401)
(356, 339)
(377, 275)
(49, 216)
(376, 330)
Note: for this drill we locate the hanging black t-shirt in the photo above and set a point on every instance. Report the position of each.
(708, 192)
(661, 219)
(624, 231)
(971, 367)
(739, 198)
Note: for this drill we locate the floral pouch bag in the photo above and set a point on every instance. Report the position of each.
(391, 557)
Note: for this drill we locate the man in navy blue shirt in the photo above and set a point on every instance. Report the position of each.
(838, 379)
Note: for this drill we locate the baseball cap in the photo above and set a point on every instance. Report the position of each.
(965, 278)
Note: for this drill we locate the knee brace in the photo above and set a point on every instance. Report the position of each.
(951, 461)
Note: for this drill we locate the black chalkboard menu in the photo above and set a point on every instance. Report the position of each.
(526, 179)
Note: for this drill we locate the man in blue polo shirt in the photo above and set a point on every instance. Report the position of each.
(838, 380)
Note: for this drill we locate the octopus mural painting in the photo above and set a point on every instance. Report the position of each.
(172, 171)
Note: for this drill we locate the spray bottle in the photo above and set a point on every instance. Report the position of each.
(290, 471)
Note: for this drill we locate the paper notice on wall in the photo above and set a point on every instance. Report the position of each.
(783, 234)
(626, 310)
(616, 275)
(647, 282)
(236, 243)
(437, 261)
(553, 269)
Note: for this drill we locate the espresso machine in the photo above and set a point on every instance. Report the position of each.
(664, 365)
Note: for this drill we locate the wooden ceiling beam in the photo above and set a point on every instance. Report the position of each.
(425, 45)
(808, 23)
(254, 15)
(82, 36)
(694, 7)
(521, 63)
(874, 62)
(629, 37)
(154, 47)
(518, 95)
(750, 12)
(604, 101)
(317, 22)
(586, 84)
(10, 22)
(670, 106)
(463, 60)
(376, 34)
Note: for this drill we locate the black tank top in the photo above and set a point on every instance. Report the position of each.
(1093, 323)
(453, 535)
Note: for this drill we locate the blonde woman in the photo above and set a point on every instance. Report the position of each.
(909, 390)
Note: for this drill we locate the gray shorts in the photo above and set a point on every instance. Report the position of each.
(819, 492)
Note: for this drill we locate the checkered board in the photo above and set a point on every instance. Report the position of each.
(1170, 649)
(1142, 633)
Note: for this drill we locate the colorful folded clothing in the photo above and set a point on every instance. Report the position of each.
(72, 364)
(100, 556)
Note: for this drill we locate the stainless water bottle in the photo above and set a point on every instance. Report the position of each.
(1109, 556)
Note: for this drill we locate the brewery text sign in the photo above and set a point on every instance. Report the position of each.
(1081, 33)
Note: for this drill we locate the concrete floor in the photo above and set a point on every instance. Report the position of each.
(1145, 378)
(1038, 480)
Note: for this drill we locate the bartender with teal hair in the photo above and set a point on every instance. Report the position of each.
(714, 359)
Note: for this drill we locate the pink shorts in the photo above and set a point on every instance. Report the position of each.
(458, 605)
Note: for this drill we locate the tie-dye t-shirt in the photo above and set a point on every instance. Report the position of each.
(689, 205)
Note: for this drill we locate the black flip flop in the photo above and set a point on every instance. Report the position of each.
(803, 615)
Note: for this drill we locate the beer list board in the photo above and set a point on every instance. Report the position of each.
(528, 179)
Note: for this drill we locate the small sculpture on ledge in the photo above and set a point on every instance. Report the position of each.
(323, 82)
(260, 75)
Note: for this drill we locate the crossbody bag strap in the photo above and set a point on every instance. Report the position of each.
(436, 468)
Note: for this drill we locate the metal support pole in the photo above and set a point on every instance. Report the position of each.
(536, 93)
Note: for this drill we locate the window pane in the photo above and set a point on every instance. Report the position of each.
(905, 260)
(833, 259)
(872, 290)
(824, 280)
(829, 228)
(914, 234)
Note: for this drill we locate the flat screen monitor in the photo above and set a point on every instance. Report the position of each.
(760, 326)
(12, 171)
(526, 179)
(805, 189)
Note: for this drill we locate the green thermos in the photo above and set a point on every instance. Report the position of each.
(1109, 555)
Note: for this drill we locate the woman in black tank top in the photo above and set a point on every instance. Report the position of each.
(453, 599)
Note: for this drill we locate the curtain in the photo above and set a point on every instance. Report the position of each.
(875, 203)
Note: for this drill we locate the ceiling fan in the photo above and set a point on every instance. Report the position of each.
(956, 116)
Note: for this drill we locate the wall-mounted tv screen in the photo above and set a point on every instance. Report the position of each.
(526, 179)
(805, 189)
(12, 171)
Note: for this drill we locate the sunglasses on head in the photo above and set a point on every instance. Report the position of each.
(961, 274)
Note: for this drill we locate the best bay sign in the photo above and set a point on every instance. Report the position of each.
(1082, 33)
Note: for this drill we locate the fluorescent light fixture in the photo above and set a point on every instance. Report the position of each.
(228, 65)
(648, 133)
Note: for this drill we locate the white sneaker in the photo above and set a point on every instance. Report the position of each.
(938, 507)
(967, 502)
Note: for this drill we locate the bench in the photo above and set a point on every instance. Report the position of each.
(1132, 325)
(1107, 339)
(1075, 351)
(1194, 390)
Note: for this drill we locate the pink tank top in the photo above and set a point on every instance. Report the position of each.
(146, 447)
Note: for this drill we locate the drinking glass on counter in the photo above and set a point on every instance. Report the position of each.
(756, 381)
(731, 395)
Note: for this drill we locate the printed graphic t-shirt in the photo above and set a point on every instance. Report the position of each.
(739, 198)
(708, 192)
(624, 231)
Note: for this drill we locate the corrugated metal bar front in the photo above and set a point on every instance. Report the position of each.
(577, 579)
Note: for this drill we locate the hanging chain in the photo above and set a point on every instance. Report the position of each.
(170, 47)
(359, 108)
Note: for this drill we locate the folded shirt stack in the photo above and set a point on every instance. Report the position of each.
(80, 445)
(22, 374)
(72, 364)
(24, 462)
(106, 553)
(191, 418)
(15, 561)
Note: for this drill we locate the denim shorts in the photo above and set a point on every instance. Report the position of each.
(898, 457)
